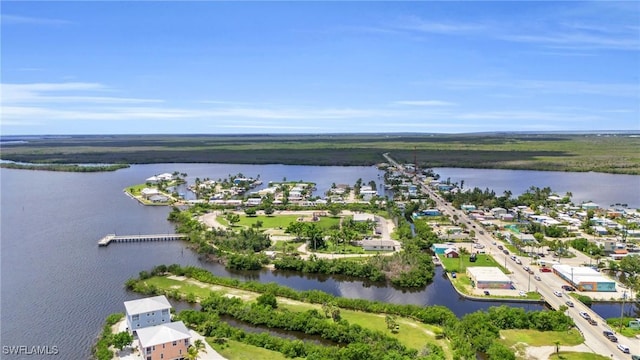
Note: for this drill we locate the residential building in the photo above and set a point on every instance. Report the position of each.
(380, 245)
(146, 312)
(164, 342)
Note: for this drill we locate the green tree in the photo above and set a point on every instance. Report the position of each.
(250, 211)
(268, 299)
(233, 218)
(315, 235)
(193, 353)
(498, 351)
(122, 340)
(268, 210)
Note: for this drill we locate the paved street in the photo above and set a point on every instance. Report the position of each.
(594, 339)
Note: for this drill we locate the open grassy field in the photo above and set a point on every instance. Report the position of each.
(541, 338)
(567, 355)
(588, 152)
(283, 221)
(235, 350)
(411, 333)
(462, 263)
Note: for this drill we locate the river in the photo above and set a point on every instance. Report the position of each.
(57, 285)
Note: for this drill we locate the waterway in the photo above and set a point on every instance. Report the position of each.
(57, 285)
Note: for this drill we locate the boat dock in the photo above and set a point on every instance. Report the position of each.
(139, 238)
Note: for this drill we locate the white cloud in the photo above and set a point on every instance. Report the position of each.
(424, 103)
(19, 19)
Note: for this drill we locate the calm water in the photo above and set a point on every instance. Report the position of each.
(58, 285)
(603, 189)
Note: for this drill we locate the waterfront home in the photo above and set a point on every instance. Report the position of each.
(147, 193)
(505, 217)
(167, 342)
(439, 249)
(159, 178)
(146, 312)
(488, 277)
(158, 199)
(368, 194)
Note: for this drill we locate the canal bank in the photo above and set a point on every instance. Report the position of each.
(49, 229)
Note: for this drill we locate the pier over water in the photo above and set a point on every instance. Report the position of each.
(139, 238)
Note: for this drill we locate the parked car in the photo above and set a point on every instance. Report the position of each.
(506, 252)
(518, 261)
(530, 271)
(537, 278)
(500, 247)
(568, 288)
(584, 315)
(623, 348)
(545, 269)
(557, 293)
(453, 275)
(569, 303)
(486, 292)
(522, 293)
(635, 357)
(526, 268)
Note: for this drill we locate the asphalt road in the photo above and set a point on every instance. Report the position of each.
(594, 339)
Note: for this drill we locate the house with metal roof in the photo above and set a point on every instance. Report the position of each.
(146, 312)
(167, 342)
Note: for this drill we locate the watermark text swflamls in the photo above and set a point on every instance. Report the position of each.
(30, 350)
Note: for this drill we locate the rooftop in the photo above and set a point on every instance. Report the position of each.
(145, 305)
(487, 273)
(162, 334)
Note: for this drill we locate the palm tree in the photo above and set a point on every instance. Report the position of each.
(194, 350)
(557, 347)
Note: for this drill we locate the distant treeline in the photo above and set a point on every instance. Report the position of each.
(616, 153)
(65, 167)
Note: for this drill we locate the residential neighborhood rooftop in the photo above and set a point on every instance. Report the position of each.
(145, 305)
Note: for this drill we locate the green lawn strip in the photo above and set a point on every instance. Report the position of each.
(283, 221)
(541, 338)
(462, 282)
(135, 189)
(568, 355)
(460, 264)
(235, 350)
(412, 333)
(200, 290)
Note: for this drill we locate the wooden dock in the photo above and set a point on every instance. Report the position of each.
(108, 239)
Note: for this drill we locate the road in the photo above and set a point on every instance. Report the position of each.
(594, 339)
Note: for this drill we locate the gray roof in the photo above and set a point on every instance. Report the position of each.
(162, 334)
(146, 305)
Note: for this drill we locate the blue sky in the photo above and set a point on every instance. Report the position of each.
(319, 67)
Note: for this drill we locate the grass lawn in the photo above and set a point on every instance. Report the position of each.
(341, 249)
(234, 350)
(541, 338)
(460, 264)
(412, 333)
(625, 329)
(567, 355)
(283, 221)
(135, 189)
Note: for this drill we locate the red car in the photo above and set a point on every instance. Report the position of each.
(544, 269)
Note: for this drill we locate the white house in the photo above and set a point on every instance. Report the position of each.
(380, 245)
(167, 342)
(158, 178)
(146, 312)
(149, 192)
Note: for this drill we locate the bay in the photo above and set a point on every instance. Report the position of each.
(57, 285)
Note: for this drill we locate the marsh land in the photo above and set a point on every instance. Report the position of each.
(607, 153)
